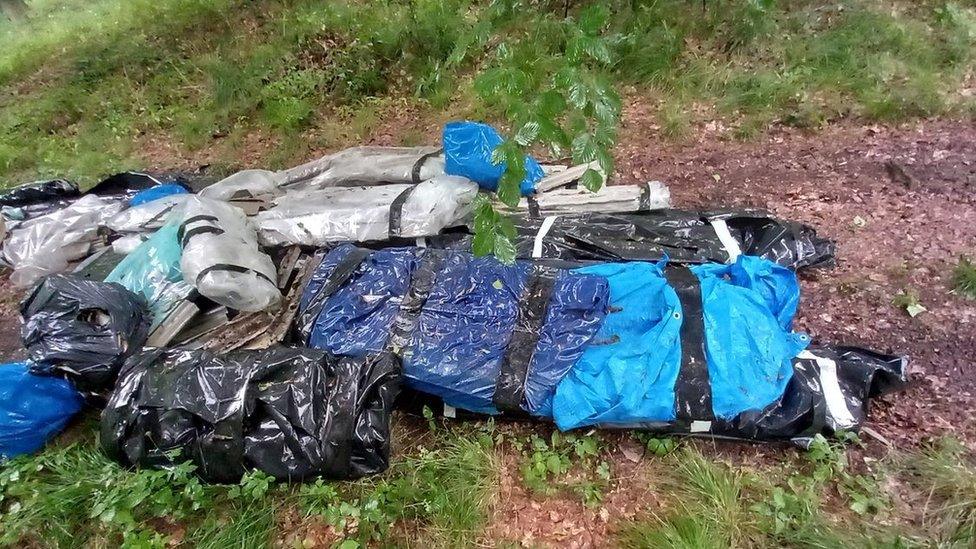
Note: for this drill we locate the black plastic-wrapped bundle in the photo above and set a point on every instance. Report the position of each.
(292, 413)
(82, 329)
(686, 237)
(830, 391)
(39, 191)
(40, 197)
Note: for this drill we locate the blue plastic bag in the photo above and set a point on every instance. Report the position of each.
(32, 409)
(464, 326)
(157, 192)
(627, 376)
(467, 152)
(153, 270)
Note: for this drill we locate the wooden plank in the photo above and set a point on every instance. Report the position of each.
(173, 324)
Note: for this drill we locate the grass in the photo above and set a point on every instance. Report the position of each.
(818, 502)
(437, 494)
(85, 85)
(946, 475)
(964, 278)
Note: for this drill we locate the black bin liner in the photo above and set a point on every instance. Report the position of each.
(809, 405)
(82, 329)
(684, 236)
(292, 413)
(40, 197)
(38, 192)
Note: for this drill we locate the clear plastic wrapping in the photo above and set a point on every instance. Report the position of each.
(146, 217)
(244, 184)
(46, 244)
(318, 217)
(221, 258)
(367, 166)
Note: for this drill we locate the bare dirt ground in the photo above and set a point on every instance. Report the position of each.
(899, 200)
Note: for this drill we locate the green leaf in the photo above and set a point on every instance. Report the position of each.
(554, 464)
(483, 242)
(592, 180)
(504, 249)
(914, 309)
(577, 94)
(527, 133)
(593, 18)
(584, 148)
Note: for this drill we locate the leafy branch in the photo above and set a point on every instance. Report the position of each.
(551, 87)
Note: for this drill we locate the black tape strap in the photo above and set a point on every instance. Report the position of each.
(693, 389)
(534, 210)
(339, 275)
(233, 269)
(421, 283)
(644, 201)
(194, 219)
(533, 305)
(396, 211)
(205, 229)
(419, 164)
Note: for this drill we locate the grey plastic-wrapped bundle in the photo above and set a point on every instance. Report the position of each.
(318, 217)
(146, 217)
(244, 184)
(367, 166)
(221, 258)
(46, 244)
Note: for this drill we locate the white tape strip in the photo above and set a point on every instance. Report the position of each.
(422, 242)
(836, 403)
(546, 226)
(698, 426)
(725, 237)
(450, 411)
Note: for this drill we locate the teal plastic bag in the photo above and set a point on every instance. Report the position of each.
(153, 270)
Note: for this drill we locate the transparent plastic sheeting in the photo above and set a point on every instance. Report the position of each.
(82, 329)
(221, 258)
(152, 270)
(47, 244)
(244, 184)
(322, 216)
(148, 216)
(294, 414)
(366, 166)
(33, 409)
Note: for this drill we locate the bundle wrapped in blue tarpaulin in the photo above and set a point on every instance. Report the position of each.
(701, 349)
(482, 335)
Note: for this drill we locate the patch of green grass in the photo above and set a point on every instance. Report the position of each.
(438, 493)
(964, 278)
(944, 471)
(715, 505)
(709, 510)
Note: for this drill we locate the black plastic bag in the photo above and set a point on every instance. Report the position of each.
(830, 391)
(684, 236)
(292, 413)
(127, 184)
(82, 329)
(39, 192)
